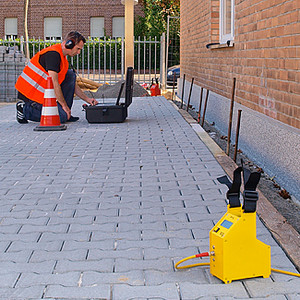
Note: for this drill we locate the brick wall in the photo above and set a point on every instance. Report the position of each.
(264, 59)
(75, 14)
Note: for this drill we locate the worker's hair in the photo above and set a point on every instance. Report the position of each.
(75, 36)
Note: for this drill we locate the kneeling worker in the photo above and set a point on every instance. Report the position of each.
(51, 61)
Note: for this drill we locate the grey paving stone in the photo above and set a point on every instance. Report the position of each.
(164, 291)
(22, 256)
(69, 279)
(8, 280)
(73, 255)
(101, 291)
(33, 292)
(266, 288)
(97, 254)
(101, 265)
(205, 225)
(17, 246)
(183, 243)
(20, 267)
(78, 237)
(103, 227)
(62, 228)
(132, 278)
(196, 291)
(173, 253)
(161, 264)
(132, 235)
(157, 243)
(196, 276)
(107, 244)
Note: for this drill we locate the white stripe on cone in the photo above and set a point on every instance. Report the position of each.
(49, 93)
(49, 110)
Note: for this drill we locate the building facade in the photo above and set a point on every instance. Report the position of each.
(54, 19)
(258, 43)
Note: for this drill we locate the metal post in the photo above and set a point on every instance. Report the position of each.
(99, 60)
(230, 117)
(204, 110)
(145, 59)
(173, 92)
(88, 58)
(200, 104)
(104, 59)
(237, 134)
(139, 58)
(155, 57)
(122, 59)
(150, 73)
(22, 44)
(163, 61)
(182, 93)
(110, 58)
(189, 99)
(167, 42)
(94, 59)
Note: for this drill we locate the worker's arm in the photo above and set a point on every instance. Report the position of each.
(83, 96)
(58, 93)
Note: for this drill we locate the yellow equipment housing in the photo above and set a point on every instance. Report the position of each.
(235, 252)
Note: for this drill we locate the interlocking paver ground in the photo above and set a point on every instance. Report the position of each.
(104, 211)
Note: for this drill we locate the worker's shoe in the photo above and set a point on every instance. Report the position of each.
(20, 115)
(73, 119)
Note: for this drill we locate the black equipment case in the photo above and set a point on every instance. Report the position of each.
(112, 112)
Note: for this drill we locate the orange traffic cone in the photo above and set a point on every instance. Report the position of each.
(50, 117)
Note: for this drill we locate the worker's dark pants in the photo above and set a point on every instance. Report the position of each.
(32, 110)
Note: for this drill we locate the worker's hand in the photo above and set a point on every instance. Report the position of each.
(67, 110)
(92, 101)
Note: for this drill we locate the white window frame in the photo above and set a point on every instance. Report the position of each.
(224, 38)
(94, 27)
(53, 36)
(11, 28)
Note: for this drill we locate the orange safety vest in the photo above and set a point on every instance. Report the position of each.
(33, 80)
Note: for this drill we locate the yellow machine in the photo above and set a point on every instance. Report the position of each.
(235, 252)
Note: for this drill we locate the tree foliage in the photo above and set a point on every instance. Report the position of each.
(156, 12)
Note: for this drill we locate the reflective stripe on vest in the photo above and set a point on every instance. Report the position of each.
(32, 82)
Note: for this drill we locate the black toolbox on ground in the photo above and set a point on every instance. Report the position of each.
(112, 112)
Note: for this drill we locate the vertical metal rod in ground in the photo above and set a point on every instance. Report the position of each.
(237, 134)
(200, 104)
(173, 92)
(189, 99)
(182, 94)
(122, 58)
(204, 110)
(230, 117)
(139, 58)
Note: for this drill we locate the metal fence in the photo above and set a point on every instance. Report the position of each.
(102, 59)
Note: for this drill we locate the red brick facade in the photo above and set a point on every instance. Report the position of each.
(265, 58)
(75, 14)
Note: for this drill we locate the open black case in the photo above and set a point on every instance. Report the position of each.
(112, 112)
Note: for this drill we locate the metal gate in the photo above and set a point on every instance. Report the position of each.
(102, 59)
